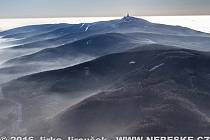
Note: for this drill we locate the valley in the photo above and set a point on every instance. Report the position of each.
(120, 77)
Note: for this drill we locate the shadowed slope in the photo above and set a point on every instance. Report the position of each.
(148, 92)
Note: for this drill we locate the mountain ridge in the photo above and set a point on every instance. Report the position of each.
(109, 78)
(176, 86)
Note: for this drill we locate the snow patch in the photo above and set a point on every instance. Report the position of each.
(148, 41)
(132, 62)
(156, 67)
(86, 29)
(82, 25)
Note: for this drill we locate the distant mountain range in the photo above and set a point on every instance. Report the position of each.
(126, 24)
(120, 77)
(54, 35)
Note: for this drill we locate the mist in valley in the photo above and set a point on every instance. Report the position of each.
(104, 78)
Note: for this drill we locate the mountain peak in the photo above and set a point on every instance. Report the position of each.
(129, 18)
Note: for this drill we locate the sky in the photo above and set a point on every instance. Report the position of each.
(100, 8)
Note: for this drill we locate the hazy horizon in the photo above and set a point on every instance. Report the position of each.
(200, 23)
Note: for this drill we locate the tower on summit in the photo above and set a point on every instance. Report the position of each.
(128, 15)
